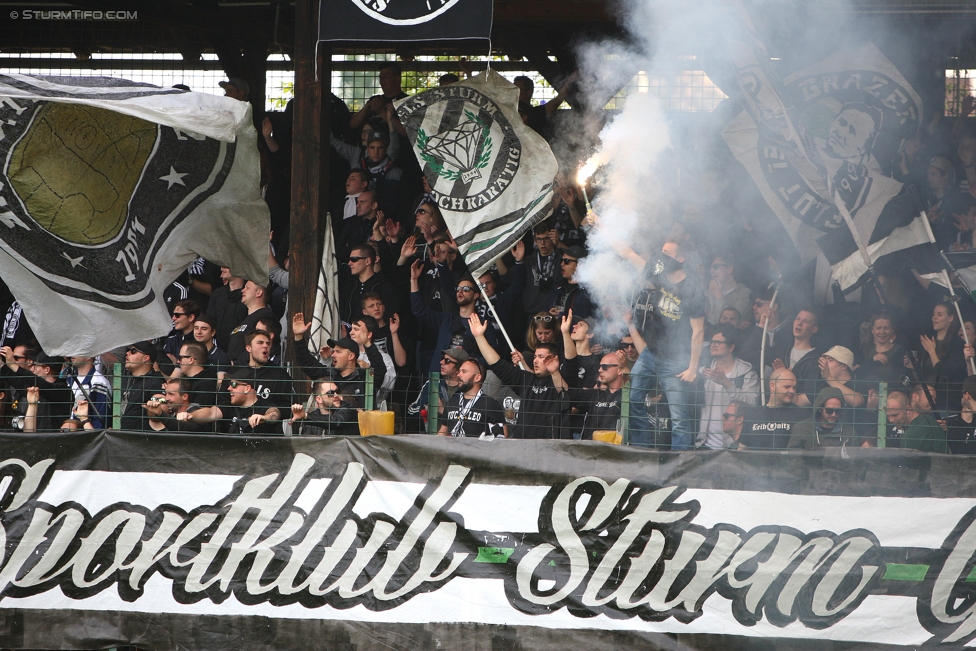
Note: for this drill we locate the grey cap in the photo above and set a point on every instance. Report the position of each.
(457, 353)
(236, 82)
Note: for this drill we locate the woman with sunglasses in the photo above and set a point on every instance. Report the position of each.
(827, 427)
(543, 329)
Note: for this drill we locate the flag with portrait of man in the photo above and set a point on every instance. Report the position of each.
(823, 141)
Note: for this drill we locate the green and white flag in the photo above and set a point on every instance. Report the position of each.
(108, 190)
(491, 174)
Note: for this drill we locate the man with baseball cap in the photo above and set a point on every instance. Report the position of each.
(343, 354)
(142, 382)
(236, 88)
(246, 412)
(449, 365)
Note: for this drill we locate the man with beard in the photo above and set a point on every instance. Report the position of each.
(245, 412)
(770, 426)
(544, 392)
(333, 414)
(825, 429)
(602, 405)
(452, 329)
(470, 411)
(912, 429)
(225, 307)
(54, 396)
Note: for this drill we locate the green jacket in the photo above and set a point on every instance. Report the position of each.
(925, 434)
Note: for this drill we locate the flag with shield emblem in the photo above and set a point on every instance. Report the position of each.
(491, 174)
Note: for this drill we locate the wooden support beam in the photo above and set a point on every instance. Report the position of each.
(310, 158)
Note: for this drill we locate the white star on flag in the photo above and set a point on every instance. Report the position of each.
(173, 177)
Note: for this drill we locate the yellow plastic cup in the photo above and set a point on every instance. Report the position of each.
(376, 423)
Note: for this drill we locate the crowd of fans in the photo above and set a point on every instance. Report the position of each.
(719, 348)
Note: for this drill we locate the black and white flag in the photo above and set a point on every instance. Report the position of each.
(108, 190)
(822, 139)
(404, 20)
(490, 174)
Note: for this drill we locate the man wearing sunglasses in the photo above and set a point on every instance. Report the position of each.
(334, 414)
(601, 406)
(453, 329)
(826, 428)
(141, 383)
(362, 280)
(568, 294)
(246, 412)
(55, 398)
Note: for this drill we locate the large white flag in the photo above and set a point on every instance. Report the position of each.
(835, 144)
(491, 174)
(325, 318)
(109, 190)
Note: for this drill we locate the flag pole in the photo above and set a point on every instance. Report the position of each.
(501, 325)
(971, 365)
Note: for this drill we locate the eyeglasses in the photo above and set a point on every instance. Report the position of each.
(607, 367)
(19, 358)
(567, 261)
(448, 360)
(464, 288)
(546, 318)
(625, 344)
(187, 357)
(717, 342)
(328, 393)
(830, 411)
(357, 258)
(176, 314)
(423, 211)
(729, 416)
(758, 302)
(135, 351)
(234, 384)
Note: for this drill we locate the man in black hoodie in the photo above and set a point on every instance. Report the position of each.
(225, 307)
(544, 392)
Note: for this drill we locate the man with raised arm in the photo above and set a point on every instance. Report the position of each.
(670, 316)
(544, 392)
(343, 354)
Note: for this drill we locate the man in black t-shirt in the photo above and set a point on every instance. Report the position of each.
(254, 298)
(141, 383)
(770, 426)
(471, 412)
(669, 316)
(201, 379)
(602, 406)
(961, 427)
(245, 413)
